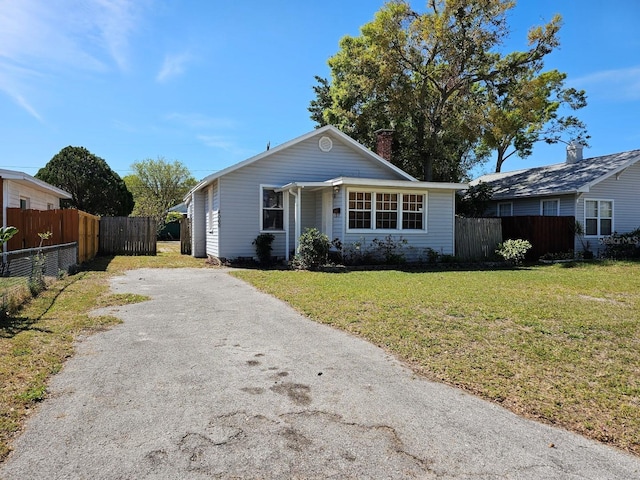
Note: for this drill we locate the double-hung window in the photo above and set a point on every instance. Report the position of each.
(412, 212)
(385, 211)
(272, 210)
(360, 210)
(550, 208)
(598, 217)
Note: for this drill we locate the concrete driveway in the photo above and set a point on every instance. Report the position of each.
(213, 379)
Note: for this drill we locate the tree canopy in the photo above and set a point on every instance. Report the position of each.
(94, 187)
(157, 185)
(434, 78)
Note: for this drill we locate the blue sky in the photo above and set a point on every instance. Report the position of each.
(209, 83)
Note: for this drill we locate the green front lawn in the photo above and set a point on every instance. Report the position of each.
(553, 343)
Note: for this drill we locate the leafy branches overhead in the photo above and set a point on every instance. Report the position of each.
(434, 78)
(157, 185)
(94, 187)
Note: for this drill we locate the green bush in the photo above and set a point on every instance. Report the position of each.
(263, 247)
(313, 249)
(514, 250)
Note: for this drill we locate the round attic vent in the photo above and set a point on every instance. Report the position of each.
(325, 144)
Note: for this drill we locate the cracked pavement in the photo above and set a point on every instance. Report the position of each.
(213, 379)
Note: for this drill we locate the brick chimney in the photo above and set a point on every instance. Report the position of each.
(383, 143)
(574, 152)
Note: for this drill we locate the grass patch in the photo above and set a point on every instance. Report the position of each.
(35, 342)
(557, 344)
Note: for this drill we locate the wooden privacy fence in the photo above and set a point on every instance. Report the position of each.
(185, 236)
(128, 236)
(477, 238)
(546, 234)
(66, 226)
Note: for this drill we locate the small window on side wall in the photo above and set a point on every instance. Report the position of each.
(505, 209)
(272, 210)
(25, 203)
(550, 208)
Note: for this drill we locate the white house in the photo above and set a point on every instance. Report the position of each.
(20, 190)
(323, 179)
(602, 193)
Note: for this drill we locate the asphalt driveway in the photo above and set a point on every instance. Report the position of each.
(213, 379)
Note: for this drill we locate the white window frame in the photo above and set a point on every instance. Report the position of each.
(400, 212)
(271, 230)
(599, 218)
(27, 202)
(51, 206)
(510, 204)
(542, 202)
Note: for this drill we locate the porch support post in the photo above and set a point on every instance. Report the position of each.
(298, 216)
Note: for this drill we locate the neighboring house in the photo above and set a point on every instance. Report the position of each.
(326, 180)
(602, 193)
(19, 190)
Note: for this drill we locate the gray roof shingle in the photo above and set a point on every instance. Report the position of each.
(561, 178)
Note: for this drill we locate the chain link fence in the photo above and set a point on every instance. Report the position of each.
(20, 267)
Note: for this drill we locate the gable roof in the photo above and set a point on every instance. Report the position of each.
(326, 129)
(558, 179)
(24, 178)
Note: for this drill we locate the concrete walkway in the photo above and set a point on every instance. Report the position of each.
(212, 379)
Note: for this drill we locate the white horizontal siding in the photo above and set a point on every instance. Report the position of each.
(38, 200)
(438, 236)
(625, 192)
(240, 195)
(213, 219)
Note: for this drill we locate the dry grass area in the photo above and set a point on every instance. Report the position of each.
(35, 342)
(558, 344)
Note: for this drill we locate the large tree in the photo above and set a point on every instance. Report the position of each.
(426, 75)
(157, 185)
(94, 187)
(525, 109)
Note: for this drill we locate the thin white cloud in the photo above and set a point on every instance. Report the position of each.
(173, 66)
(620, 85)
(55, 38)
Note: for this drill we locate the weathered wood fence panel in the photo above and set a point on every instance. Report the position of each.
(128, 236)
(477, 238)
(185, 236)
(546, 234)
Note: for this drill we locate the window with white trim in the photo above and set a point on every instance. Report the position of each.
(25, 203)
(550, 208)
(505, 209)
(360, 210)
(391, 211)
(598, 217)
(386, 211)
(272, 210)
(412, 212)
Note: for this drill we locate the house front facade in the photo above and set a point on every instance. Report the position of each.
(602, 193)
(325, 180)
